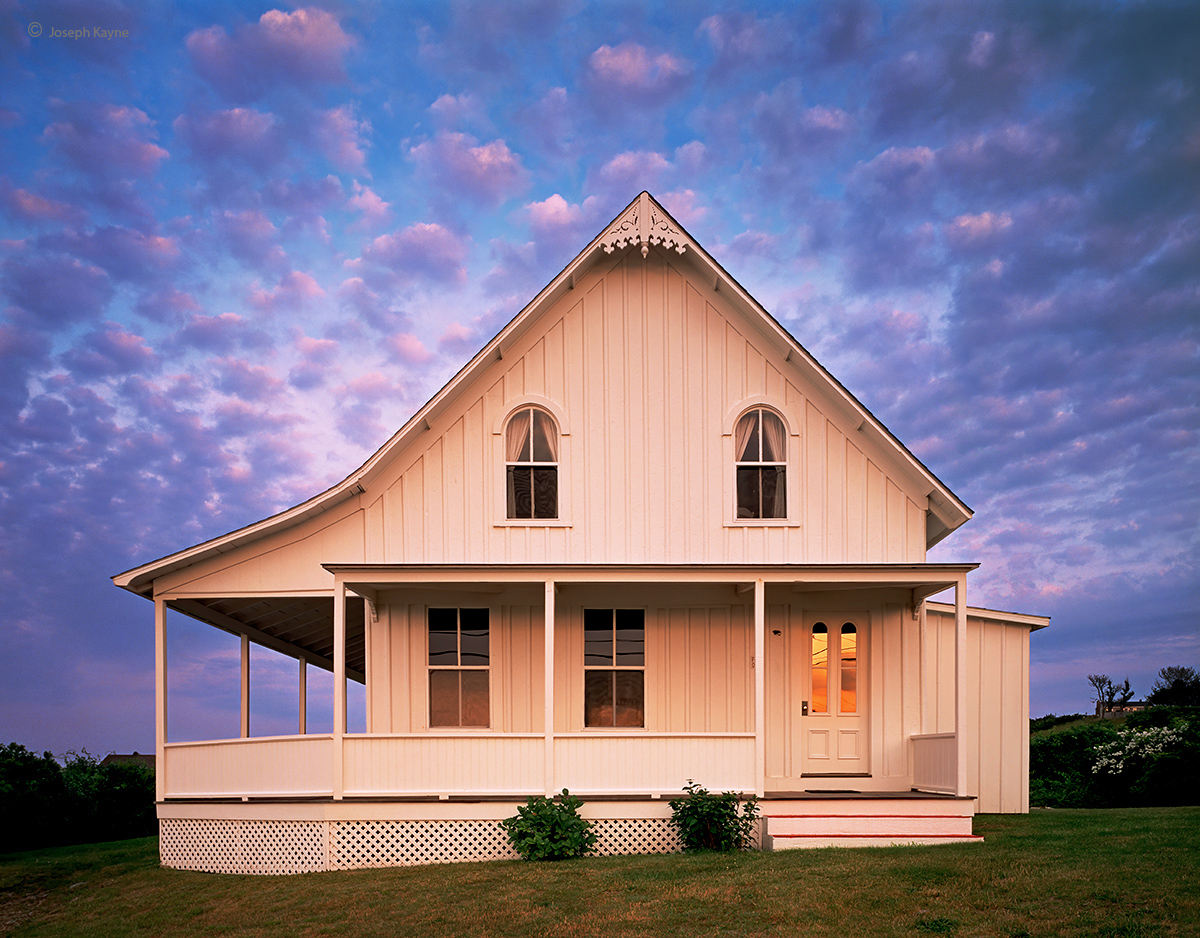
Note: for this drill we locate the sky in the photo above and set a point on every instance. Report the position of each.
(241, 244)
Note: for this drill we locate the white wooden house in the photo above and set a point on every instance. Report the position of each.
(730, 551)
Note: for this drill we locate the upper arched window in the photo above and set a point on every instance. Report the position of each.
(531, 457)
(760, 448)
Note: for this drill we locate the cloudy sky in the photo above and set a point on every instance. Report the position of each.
(240, 245)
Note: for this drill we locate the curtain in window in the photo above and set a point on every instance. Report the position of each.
(517, 446)
(545, 438)
(773, 438)
(746, 440)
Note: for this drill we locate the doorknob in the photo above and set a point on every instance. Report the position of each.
(804, 708)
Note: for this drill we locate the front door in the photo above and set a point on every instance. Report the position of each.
(833, 717)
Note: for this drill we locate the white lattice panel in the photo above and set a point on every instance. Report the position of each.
(636, 835)
(357, 844)
(263, 847)
(282, 847)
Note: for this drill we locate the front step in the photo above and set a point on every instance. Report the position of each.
(867, 822)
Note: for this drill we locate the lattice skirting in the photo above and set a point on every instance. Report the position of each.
(283, 847)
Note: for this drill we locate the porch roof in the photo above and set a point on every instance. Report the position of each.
(923, 579)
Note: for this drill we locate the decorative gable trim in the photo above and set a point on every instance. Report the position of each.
(644, 223)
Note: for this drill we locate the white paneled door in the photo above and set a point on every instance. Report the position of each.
(833, 717)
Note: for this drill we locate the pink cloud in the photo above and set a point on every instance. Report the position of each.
(252, 237)
(294, 290)
(57, 289)
(975, 231)
(31, 207)
(111, 351)
(421, 250)
(242, 133)
(105, 140)
(627, 173)
(682, 204)
(239, 378)
(303, 48)
(126, 253)
(554, 217)
(488, 173)
(452, 110)
(409, 348)
(630, 69)
(222, 333)
(339, 137)
(167, 305)
(375, 211)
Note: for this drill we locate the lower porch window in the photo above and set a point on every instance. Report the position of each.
(459, 660)
(614, 658)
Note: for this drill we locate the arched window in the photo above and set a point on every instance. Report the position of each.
(760, 447)
(531, 456)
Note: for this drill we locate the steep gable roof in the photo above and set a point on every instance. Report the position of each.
(641, 225)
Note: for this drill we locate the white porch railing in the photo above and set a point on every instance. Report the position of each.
(934, 762)
(474, 763)
(466, 763)
(263, 766)
(654, 762)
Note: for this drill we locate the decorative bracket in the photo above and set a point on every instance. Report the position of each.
(644, 224)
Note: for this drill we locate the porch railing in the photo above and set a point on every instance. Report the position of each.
(934, 762)
(462, 764)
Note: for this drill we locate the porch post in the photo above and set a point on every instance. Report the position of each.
(960, 684)
(303, 704)
(160, 698)
(339, 685)
(245, 686)
(548, 717)
(760, 686)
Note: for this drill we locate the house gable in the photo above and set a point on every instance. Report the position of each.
(646, 352)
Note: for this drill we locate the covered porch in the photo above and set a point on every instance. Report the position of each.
(721, 746)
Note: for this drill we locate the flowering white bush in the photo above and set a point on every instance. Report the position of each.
(1134, 744)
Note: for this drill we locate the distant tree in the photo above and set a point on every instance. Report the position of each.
(1109, 695)
(1175, 686)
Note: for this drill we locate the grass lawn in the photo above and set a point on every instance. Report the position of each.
(1131, 873)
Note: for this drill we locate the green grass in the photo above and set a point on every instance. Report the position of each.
(1116, 874)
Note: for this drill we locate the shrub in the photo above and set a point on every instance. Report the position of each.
(546, 829)
(1060, 767)
(707, 821)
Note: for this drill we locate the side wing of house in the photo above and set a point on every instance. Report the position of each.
(997, 698)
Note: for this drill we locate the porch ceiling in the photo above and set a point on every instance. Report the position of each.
(299, 626)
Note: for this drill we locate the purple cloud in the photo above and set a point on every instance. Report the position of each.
(240, 133)
(632, 74)
(421, 251)
(488, 174)
(56, 289)
(111, 351)
(300, 49)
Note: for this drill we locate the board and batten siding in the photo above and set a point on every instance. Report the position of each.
(647, 368)
(997, 718)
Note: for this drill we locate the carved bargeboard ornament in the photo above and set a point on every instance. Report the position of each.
(644, 224)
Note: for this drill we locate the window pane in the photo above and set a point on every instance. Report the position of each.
(545, 447)
(598, 698)
(443, 636)
(520, 492)
(628, 694)
(820, 669)
(476, 706)
(774, 492)
(747, 492)
(849, 669)
(545, 492)
(473, 645)
(631, 637)
(597, 636)
(443, 698)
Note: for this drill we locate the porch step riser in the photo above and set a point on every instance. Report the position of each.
(798, 843)
(838, 825)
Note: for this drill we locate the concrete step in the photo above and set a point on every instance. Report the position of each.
(867, 822)
(860, 825)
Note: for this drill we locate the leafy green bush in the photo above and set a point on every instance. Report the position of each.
(32, 799)
(707, 821)
(546, 829)
(1060, 767)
